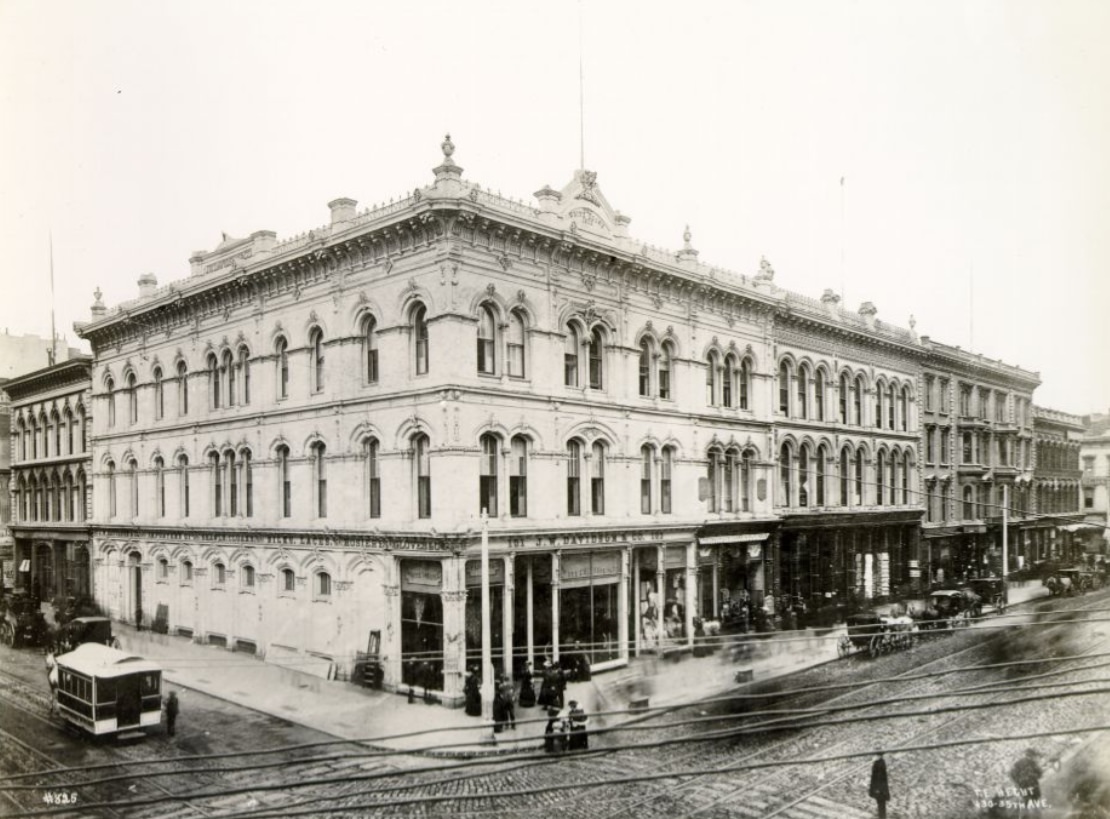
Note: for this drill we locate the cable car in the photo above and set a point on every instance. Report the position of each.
(104, 690)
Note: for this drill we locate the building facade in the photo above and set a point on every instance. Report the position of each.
(293, 447)
(1058, 533)
(979, 456)
(1094, 456)
(50, 481)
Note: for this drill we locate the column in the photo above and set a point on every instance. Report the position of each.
(453, 595)
(637, 617)
(530, 627)
(691, 589)
(507, 609)
(503, 484)
(556, 582)
(661, 579)
(623, 604)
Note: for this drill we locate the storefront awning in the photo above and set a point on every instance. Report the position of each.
(714, 540)
(1080, 527)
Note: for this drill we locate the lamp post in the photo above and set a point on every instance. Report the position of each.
(1005, 542)
(487, 687)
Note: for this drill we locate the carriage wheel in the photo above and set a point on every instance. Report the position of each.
(875, 647)
(843, 647)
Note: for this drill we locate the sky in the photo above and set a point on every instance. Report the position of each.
(973, 140)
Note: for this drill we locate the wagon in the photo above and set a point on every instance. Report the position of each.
(81, 630)
(876, 634)
(21, 622)
(950, 608)
(992, 590)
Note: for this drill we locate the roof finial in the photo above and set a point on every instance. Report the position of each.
(687, 236)
(448, 148)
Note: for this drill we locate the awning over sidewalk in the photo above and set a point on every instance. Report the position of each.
(714, 540)
(1080, 527)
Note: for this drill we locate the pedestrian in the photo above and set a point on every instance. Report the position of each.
(548, 687)
(583, 663)
(52, 679)
(880, 787)
(473, 694)
(507, 695)
(527, 691)
(577, 740)
(553, 733)
(1026, 774)
(498, 707)
(560, 676)
(172, 707)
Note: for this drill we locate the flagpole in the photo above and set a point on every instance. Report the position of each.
(843, 284)
(53, 332)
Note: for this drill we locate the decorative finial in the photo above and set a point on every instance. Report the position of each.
(913, 322)
(97, 294)
(686, 236)
(766, 272)
(448, 148)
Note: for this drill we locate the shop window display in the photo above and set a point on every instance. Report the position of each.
(589, 605)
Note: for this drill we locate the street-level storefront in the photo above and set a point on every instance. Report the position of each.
(53, 563)
(737, 572)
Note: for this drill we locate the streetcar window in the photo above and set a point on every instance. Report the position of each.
(148, 684)
(105, 691)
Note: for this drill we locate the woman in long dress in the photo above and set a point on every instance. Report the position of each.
(527, 697)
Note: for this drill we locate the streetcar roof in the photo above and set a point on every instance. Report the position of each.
(95, 660)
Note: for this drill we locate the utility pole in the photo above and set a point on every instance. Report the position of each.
(487, 650)
(1005, 542)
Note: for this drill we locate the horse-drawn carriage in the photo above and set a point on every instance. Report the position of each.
(1070, 582)
(991, 590)
(947, 609)
(876, 634)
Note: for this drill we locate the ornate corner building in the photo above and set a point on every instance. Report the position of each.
(293, 447)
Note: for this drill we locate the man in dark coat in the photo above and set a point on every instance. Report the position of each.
(577, 741)
(506, 694)
(473, 694)
(527, 691)
(880, 787)
(172, 707)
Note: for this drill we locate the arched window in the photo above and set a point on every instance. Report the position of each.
(227, 374)
(132, 399)
(728, 381)
(183, 484)
(160, 486)
(248, 483)
(665, 480)
(845, 458)
(420, 337)
(186, 572)
(746, 481)
(215, 394)
(819, 395)
(373, 478)
(713, 477)
(574, 477)
(159, 398)
(803, 475)
(244, 372)
(880, 477)
(906, 464)
(597, 479)
(217, 484)
(645, 367)
(316, 342)
(288, 580)
(285, 481)
(320, 478)
(890, 406)
(246, 576)
(745, 383)
(232, 483)
(665, 371)
(821, 466)
(323, 585)
(786, 482)
(370, 350)
(163, 570)
(903, 407)
(182, 389)
(597, 359)
(110, 389)
(728, 490)
(843, 398)
(857, 401)
(969, 502)
(879, 406)
(518, 477)
(859, 478)
(570, 356)
(711, 379)
(487, 340)
(219, 575)
(56, 426)
(784, 388)
(647, 457)
(111, 469)
(487, 475)
(68, 499)
(803, 392)
(515, 345)
(282, 352)
(423, 465)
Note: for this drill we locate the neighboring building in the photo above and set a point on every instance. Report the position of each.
(7, 553)
(51, 459)
(292, 447)
(1058, 533)
(978, 448)
(1095, 462)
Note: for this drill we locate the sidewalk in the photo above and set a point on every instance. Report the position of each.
(389, 721)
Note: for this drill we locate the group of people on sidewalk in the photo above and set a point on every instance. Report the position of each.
(566, 727)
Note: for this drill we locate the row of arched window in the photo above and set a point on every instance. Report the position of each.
(804, 476)
(803, 394)
(248, 578)
(54, 496)
(53, 436)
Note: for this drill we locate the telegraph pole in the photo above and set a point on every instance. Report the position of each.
(487, 650)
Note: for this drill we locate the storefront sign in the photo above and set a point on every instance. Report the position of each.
(474, 572)
(568, 539)
(577, 569)
(421, 575)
